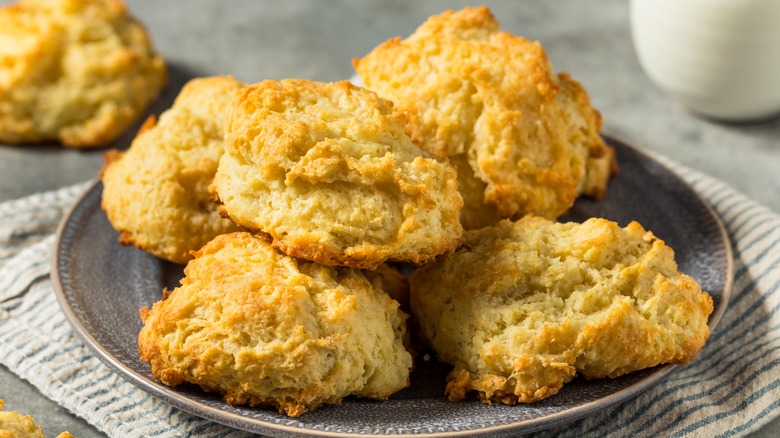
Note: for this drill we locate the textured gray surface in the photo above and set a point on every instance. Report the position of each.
(256, 40)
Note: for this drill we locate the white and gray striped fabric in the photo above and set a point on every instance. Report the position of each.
(730, 389)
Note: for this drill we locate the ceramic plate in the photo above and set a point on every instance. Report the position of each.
(101, 285)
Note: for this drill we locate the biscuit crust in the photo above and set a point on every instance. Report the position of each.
(524, 139)
(16, 425)
(525, 306)
(266, 329)
(328, 174)
(156, 193)
(79, 72)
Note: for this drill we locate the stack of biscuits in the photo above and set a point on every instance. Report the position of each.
(292, 202)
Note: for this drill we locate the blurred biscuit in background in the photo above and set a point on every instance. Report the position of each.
(78, 72)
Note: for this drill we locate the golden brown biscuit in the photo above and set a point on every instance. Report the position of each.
(525, 306)
(524, 139)
(328, 173)
(16, 425)
(156, 194)
(263, 328)
(75, 71)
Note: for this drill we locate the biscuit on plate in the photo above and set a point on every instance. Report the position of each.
(16, 425)
(328, 174)
(524, 139)
(525, 306)
(156, 193)
(79, 72)
(266, 329)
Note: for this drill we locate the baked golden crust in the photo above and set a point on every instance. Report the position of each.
(263, 328)
(525, 306)
(524, 139)
(75, 71)
(16, 425)
(156, 193)
(327, 172)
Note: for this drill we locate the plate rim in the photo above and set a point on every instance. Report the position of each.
(231, 419)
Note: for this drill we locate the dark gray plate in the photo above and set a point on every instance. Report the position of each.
(101, 285)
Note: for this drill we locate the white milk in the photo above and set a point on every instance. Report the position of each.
(719, 57)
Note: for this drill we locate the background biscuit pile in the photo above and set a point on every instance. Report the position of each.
(78, 72)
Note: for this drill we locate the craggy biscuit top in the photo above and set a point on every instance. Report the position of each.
(16, 425)
(525, 306)
(74, 71)
(263, 328)
(521, 136)
(156, 193)
(327, 171)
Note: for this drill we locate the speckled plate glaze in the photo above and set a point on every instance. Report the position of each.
(101, 285)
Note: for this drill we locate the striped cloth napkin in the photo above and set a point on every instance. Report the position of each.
(730, 389)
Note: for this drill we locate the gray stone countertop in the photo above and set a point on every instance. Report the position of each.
(256, 40)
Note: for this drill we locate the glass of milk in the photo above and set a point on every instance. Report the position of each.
(721, 58)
